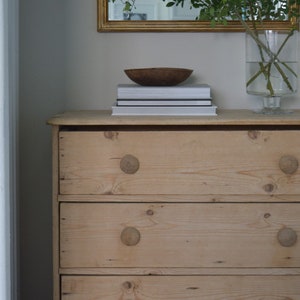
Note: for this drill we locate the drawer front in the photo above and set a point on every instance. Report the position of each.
(96, 235)
(180, 287)
(179, 162)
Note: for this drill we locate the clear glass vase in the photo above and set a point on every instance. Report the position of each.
(271, 67)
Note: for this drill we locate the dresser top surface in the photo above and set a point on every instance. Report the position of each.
(224, 117)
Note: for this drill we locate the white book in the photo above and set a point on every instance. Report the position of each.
(188, 91)
(166, 102)
(164, 110)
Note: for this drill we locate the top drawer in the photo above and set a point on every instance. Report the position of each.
(179, 162)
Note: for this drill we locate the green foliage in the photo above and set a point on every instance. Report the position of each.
(128, 4)
(220, 11)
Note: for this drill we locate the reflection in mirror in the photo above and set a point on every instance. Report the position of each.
(167, 15)
(151, 10)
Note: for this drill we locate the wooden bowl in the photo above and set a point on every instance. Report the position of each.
(158, 76)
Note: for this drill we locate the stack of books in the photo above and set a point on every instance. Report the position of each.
(180, 100)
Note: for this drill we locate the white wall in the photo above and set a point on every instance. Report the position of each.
(8, 148)
(67, 64)
(95, 61)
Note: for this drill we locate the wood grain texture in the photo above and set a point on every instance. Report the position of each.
(55, 213)
(178, 162)
(179, 287)
(182, 271)
(178, 235)
(180, 198)
(211, 204)
(224, 117)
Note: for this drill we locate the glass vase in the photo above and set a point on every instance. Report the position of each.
(271, 67)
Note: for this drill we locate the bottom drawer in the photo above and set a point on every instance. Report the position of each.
(180, 287)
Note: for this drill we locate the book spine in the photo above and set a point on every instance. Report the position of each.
(180, 111)
(202, 93)
(167, 102)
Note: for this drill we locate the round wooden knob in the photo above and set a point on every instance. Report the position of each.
(288, 164)
(129, 164)
(269, 188)
(287, 237)
(127, 285)
(130, 236)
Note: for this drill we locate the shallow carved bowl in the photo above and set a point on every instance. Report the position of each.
(158, 76)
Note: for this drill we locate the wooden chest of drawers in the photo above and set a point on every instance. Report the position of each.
(176, 208)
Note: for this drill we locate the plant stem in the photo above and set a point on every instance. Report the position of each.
(266, 69)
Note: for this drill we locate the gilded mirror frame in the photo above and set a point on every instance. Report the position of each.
(105, 25)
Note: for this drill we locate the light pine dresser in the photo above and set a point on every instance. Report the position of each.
(166, 208)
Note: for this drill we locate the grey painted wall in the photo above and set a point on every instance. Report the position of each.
(42, 93)
(66, 64)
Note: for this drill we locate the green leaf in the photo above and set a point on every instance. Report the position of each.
(128, 6)
(170, 4)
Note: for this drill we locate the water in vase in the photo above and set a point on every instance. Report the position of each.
(274, 80)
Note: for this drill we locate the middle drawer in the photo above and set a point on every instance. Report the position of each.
(153, 235)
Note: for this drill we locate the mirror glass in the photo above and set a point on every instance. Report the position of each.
(154, 15)
(151, 10)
